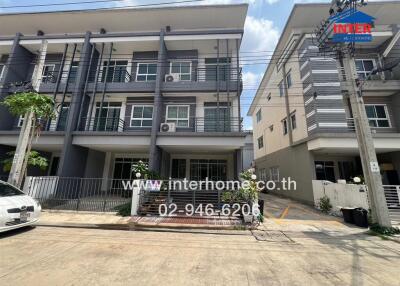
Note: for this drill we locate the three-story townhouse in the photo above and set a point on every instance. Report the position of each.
(302, 118)
(160, 85)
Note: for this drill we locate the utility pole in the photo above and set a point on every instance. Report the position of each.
(370, 165)
(20, 155)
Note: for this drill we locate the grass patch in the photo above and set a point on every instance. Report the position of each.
(384, 231)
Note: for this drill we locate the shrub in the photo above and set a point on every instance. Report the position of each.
(124, 210)
(325, 204)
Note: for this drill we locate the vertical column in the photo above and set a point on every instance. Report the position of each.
(155, 152)
(238, 84)
(16, 69)
(73, 158)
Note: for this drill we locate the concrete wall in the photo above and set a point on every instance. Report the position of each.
(294, 162)
(340, 195)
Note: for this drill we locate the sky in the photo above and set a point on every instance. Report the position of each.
(264, 23)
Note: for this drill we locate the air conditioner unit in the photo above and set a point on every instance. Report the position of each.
(172, 77)
(168, 127)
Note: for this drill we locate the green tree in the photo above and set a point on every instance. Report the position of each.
(36, 109)
(34, 160)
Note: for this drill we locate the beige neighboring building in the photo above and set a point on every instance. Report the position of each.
(302, 121)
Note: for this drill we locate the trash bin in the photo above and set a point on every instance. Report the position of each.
(360, 217)
(261, 206)
(348, 214)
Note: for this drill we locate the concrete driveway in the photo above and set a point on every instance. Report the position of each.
(73, 256)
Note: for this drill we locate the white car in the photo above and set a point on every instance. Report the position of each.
(16, 208)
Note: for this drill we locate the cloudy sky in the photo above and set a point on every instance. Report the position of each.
(265, 21)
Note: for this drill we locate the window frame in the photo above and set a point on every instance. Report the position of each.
(259, 116)
(289, 76)
(294, 126)
(180, 68)
(274, 176)
(260, 140)
(141, 118)
(285, 126)
(379, 119)
(2, 67)
(281, 87)
(107, 65)
(363, 71)
(168, 120)
(147, 74)
(46, 77)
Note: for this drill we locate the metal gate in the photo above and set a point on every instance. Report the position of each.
(80, 194)
(392, 194)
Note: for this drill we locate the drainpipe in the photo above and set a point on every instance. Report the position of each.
(228, 82)
(287, 104)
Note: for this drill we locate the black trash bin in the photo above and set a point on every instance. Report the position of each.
(360, 217)
(261, 206)
(348, 214)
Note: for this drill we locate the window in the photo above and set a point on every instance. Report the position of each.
(364, 67)
(289, 80)
(346, 170)
(146, 72)
(142, 116)
(274, 174)
(123, 170)
(108, 117)
(325, 171)
(281, 91)
(74, 72)
(184, 69)
(214, 170)
(48, 73)
(269, 97)
(262, 174)
(63, 116)
(178, 170)
(9, 191)
(258, 115)
(260, 142)
(117, 71)
(377, 116)
(293, 121)
(211, 68)
(285, 126)
(178, 114)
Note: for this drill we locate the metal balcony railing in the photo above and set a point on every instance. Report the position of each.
(102, 124)
(193, 124)
(206, 74)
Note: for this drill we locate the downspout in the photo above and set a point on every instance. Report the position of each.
(228, 82)
(218, 83)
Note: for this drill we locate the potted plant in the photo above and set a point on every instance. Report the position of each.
(249, 193)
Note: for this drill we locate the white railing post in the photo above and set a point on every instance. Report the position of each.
(135, 197)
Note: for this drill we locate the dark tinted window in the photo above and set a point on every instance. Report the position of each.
(9, 191)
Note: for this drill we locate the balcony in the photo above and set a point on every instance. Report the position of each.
(121, 81)
(194, 125)
(384, 83)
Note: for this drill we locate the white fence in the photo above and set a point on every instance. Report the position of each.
(340, 195)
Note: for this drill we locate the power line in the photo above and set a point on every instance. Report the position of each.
(98, 2)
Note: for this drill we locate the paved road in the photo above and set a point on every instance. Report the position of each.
(71, 256)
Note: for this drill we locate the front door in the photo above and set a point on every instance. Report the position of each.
(214, 170)
(215, 121)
